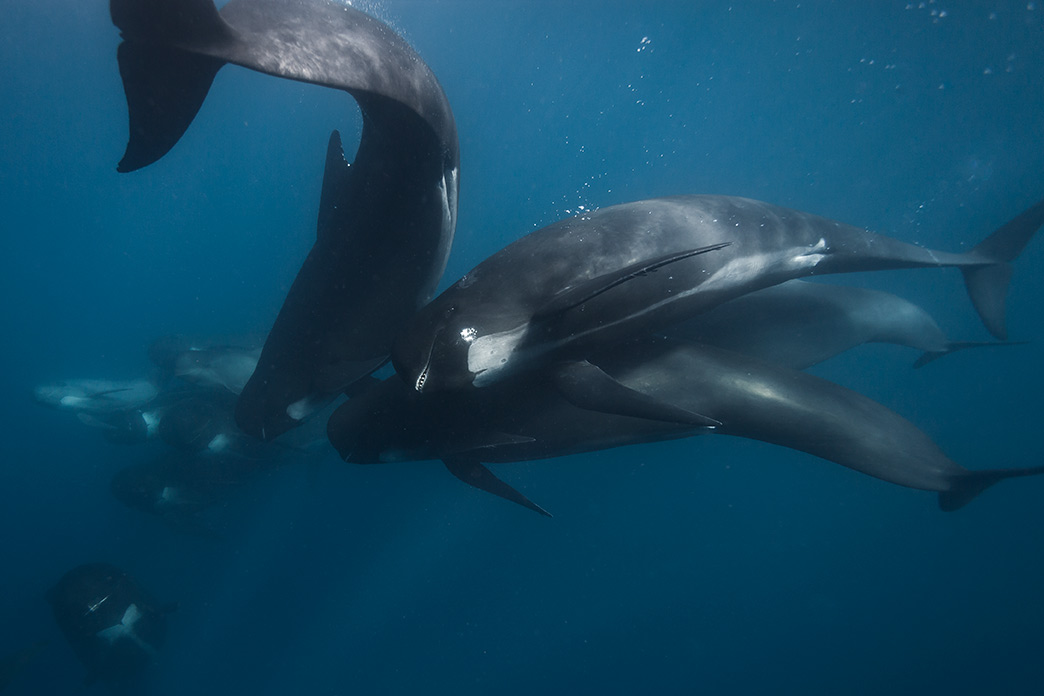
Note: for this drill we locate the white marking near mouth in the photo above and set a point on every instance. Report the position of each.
(491, 356)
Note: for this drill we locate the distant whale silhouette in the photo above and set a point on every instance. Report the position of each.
(96, 396)
(177, 486)
(385, 223)
(112, 624)
(623, 272)
(15, 663)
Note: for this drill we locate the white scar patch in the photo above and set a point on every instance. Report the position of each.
(811, 257)
(489, 356)
(744, 269)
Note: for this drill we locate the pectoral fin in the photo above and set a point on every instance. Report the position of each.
(953, 346)
(474, 474)
(586, 386)
(576, 295)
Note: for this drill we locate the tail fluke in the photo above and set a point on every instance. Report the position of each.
(164, 83)
(988, 283)
(973, 483)
(954, 346)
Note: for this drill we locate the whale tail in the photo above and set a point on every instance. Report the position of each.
(165, 85)
(972, 483)
(987, 282)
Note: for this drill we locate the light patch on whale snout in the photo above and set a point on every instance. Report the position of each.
(489, 357)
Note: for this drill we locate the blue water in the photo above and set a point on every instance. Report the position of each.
(711, 565)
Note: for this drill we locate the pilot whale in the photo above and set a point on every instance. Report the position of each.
(523, 418)
(800, 324)
(113, 625)
(97, 396)
(385, 222)
(619, 273)
(227, 367)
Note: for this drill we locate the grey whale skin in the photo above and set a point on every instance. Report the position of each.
(385, 223)
(580, 282)
(800, 324)
(113, 625)
(524, 418)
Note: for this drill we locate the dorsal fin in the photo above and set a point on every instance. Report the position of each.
(334, 210)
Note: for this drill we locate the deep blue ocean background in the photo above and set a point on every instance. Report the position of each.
(709, 565)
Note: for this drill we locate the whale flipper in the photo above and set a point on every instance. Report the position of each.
(954, 346)
(474, 474)
(586, 386)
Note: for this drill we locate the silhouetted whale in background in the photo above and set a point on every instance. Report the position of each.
(228, 367)
(96, 396)
(13, 664)
(524, 418)
(562, 291)
(385, 223)
(112, 624)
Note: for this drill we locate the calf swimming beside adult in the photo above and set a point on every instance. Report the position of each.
(559, 292)
(385, 222)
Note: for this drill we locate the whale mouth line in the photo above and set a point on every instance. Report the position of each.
(418, 384)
